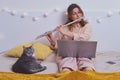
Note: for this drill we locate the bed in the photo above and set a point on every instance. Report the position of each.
(107, 65)
(104, 62)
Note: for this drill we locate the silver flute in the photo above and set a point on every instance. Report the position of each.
(42, 35)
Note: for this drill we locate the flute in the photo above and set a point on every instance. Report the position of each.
(40, 36)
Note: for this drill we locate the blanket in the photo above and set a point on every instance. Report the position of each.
(65, 75)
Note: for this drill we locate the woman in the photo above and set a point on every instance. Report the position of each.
(80, 31)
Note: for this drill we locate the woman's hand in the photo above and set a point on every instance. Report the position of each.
(66, 33)
(50, 38)
(49, 35)
(60, 29)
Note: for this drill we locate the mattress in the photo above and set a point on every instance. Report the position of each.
(104, 62)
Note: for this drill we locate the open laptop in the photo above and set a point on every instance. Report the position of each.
(71, 48)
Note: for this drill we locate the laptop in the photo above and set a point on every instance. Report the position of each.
(72, 48)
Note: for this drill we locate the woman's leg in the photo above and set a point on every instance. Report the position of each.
(68, 63)
(85, 64)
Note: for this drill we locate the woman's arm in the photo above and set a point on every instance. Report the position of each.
(51, 40)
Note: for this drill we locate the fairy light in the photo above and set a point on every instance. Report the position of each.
(35, 18)
(99, 20)
(6, 9)
(56, 9)
(23, 15)
(13, 12)
(109, 14)
(45, 14)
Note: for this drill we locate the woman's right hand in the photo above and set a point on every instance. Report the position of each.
(49, 35)
(50, 38)
(60, 29)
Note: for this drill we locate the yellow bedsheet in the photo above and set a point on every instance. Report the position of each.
(74, 75)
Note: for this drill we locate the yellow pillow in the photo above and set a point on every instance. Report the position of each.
(41, 50)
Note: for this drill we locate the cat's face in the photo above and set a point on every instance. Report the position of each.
(28, 50)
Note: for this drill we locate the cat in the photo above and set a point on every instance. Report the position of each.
(27, 63)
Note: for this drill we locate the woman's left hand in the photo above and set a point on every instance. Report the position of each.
(60, 29)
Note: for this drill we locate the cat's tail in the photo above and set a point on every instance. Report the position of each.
(42, 68)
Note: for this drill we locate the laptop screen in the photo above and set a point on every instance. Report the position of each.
(71, 48)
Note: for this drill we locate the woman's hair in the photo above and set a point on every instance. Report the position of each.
(69, 10)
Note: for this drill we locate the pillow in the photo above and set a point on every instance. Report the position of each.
(41, 50)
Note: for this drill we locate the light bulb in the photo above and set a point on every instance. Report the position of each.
(99, 20)
(109, 14)
(35, 18)
(56, 9)
(6, 9)
(24, 15)
(45, 14)
(13, 12)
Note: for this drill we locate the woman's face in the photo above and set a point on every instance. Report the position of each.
(75, 14)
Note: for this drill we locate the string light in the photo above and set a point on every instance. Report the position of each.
(99, 20)
(109, 14)
(56, 9)
(6, 9)
(23, 15)
(13, 12)
(35, 18)
(46, 14)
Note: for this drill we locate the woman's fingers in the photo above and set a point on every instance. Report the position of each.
(49, 35)
(59, 28)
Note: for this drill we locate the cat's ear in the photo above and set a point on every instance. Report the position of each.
(23, 47)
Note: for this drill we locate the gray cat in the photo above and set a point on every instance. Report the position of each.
(27, 63)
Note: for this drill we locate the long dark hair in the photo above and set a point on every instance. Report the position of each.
(69, 10)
